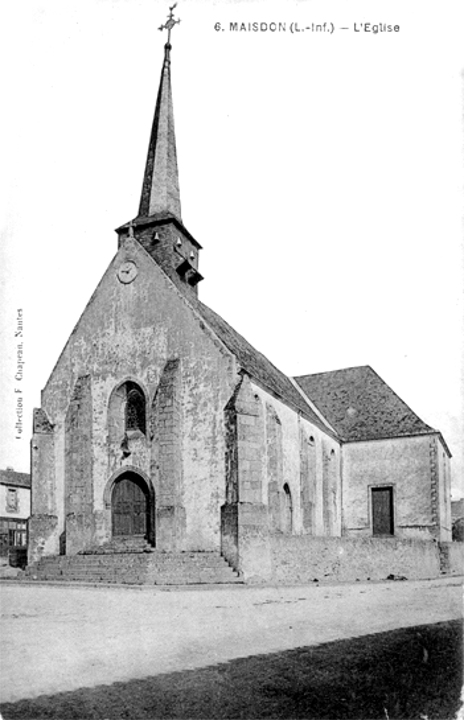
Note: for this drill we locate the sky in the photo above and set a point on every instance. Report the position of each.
(320, 171)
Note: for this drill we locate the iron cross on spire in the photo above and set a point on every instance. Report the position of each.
(170, 22)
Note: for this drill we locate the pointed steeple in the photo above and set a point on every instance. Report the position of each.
(160, 189)
(158, 227)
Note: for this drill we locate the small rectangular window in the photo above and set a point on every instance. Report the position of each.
(12, 504)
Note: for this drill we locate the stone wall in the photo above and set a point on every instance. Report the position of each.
(44, 528)
(276, 462)
(166, 462)
(79, 518)
(244, 516)
(298, 454)
(451, 556)
(456, 558)
(303, 559)
(308, 482)
(443, 489)
(274, 468)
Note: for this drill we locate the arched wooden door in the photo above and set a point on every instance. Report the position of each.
(130, 507)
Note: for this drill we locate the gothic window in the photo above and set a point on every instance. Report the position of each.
(135, 409)
(287, 510)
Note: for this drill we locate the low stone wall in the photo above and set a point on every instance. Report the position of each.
(456, 558)
(302, 559)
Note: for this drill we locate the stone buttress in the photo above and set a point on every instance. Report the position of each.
(244, 516)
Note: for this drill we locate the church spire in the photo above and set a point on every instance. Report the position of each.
(158, 226)
(160, 189)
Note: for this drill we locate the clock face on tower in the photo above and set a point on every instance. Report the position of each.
(127, 272)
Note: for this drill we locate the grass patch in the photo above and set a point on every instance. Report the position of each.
(407, 673)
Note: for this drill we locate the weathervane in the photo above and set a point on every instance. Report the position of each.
(170, 22)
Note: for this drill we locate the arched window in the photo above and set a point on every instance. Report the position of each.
(287, 510)
(135, 408)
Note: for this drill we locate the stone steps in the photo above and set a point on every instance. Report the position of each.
(142, 568)
(120, 545)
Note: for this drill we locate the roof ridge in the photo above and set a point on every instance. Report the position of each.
(329, 372)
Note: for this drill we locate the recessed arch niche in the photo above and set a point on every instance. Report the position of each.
(127, 411)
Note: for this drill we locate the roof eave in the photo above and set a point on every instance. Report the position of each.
(424, 433)
(156, 220)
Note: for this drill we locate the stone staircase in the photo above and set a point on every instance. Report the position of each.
(134, 566)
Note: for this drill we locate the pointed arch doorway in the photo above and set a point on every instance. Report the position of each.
(131, 511)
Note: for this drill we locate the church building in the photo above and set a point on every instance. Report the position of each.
(163, 433)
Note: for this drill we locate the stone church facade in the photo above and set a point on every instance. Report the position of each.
(161, 427)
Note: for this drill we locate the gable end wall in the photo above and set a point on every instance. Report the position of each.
(132, 331)
(411, 466)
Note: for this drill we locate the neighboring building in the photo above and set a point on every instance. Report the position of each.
(396, 473)
(457, 515)
(162, 425)
(457, 509)
(15, 509)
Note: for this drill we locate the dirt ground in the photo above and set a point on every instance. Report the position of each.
(61, 638)
(412, 673)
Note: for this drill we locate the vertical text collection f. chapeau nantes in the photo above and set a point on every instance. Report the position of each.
(19, 374)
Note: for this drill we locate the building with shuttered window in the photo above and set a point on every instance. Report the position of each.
(15, 509)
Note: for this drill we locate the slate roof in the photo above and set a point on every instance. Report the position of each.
(259, 367)
(11, 477)
(160, 189)
(360, 405)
